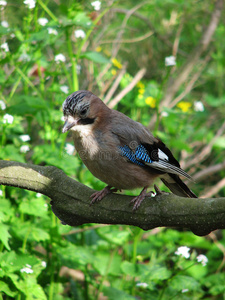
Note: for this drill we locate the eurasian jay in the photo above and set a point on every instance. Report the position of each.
(119, 151)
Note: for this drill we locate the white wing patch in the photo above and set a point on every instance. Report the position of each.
(162, 155)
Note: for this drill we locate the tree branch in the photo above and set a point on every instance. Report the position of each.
(71, 199)
(207, 172)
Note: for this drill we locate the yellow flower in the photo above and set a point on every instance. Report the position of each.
(113, 72)
(150, 101)
(184, 106)
(140, 85)
(98, 49)
(116, 63)
(141, 91)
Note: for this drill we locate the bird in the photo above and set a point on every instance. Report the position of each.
(119, 151)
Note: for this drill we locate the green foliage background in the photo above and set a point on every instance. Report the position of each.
(42, 259)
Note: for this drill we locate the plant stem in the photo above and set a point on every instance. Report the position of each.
(106, 272)
(75, 83)
(48, 11)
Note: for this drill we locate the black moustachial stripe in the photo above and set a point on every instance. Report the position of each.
(86, 121)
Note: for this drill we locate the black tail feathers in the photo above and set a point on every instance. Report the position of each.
(177, 186)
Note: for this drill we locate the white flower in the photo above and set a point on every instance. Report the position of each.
(30, 3)
(24, 57)
(27, 270)
(1, 193)
(44, 264)
(60, 58)
(2, 105)
(141, 284)
(69, 148)
(64, 89)
(164, 114)
(42, 21)
(5, 47)
(3, 3)
(198, 106)
(5, 24)
(183, 251)
(38, 195)
(24, 149)
(170, 61)
(79, 33)
(25, 137)
(202, 259)
(52, 31)
(8, 119)
(96, 5)
(184, 290)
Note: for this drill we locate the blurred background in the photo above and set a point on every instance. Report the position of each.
(162, 64)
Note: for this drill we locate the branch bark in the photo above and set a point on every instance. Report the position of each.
(71, 199)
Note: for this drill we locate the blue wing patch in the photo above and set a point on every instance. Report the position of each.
(142, 154)
(135, 157)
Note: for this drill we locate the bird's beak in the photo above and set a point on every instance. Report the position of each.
(69, 123)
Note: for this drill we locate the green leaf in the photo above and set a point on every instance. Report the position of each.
(113, 293)
(6, 210)
(11, 153)
(95, 57)
(105, 263)
(218, 289)
(26, 105)
(34, 207)
(215, 283)
(159, 273)
(181, 282)
(81, 19)
(28, 285)
(214, 101)
(73, 255)
(4, 288)
(219, 142)
(114, 235)
(39, 234)
(4, 236)
(31, 231)
(129, 268)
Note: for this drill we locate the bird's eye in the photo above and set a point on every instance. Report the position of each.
(83, 112)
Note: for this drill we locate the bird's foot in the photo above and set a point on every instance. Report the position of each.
(138, 200)
(99, 195)
(159, 192)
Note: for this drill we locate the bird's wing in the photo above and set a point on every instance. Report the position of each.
(129, 132)
(140, 147)
(153, 156)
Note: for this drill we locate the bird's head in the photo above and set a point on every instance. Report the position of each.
(80, 109)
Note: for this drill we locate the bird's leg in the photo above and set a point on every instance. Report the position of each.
(99, 195)
(159, 192)
(137, 200)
